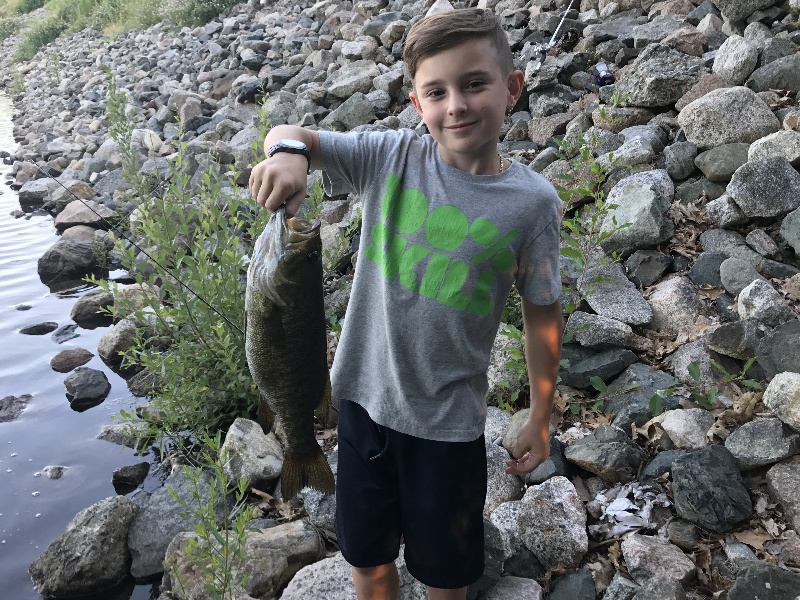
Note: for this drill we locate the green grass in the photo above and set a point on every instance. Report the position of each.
(104, 15)
(8, 27)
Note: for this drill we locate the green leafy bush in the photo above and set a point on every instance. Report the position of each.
(8, 27)
(74, 15)
(193, 236)
(218, 551)
(43, 32)
(193, 12)
(22, 7)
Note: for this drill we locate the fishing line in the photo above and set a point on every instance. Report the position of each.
(142, 250)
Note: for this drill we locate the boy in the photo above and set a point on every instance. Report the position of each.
(448, 226)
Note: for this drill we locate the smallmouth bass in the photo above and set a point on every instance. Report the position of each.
(286, 346)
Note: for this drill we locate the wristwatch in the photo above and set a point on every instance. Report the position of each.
(292, 147)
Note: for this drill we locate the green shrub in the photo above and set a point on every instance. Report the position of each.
(22, 7)
(41, 33)
(198, 232)
(194, 12)
(8, 27)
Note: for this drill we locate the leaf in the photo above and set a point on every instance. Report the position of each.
(754, 538)
(750, 362)
(694, 371)
(598, 383)
(572, 253)
(752, 384)
(656, 405)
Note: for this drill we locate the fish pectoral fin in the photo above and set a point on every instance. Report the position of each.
(306, 470)
(266, 418)
(322, 412)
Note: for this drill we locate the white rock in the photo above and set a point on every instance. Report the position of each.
(649, 557)
(687, 428)
(782, 397)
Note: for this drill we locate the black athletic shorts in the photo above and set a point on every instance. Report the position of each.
(390, 484)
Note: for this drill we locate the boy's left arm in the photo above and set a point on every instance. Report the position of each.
(543, 326)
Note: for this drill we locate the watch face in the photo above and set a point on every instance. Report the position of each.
(292, 144)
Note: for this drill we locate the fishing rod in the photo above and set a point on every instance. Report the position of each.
(138, 247)
(542, 48)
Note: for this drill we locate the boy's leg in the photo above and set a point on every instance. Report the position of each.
(377, 583)
(442, 594)
(367, 506)
(443, 491)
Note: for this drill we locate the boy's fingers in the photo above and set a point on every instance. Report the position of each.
(294, 203)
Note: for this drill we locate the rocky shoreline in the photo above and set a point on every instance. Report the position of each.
(701, 133)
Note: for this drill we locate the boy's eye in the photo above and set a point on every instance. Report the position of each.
(475, 84)
(434, 93)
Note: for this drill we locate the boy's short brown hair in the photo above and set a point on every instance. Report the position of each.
(434, 34)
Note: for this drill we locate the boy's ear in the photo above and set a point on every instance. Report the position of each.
(516, 79)
(415, 101)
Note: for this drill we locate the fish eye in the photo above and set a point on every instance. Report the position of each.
(313, 256)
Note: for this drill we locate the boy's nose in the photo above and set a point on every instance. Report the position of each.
(457, 104)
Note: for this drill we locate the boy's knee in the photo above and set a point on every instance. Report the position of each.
(375, 573)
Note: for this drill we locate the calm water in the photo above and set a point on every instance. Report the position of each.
(33, 508)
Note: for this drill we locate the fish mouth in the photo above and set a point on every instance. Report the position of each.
(300, 229)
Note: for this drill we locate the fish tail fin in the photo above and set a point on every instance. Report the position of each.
(266, 418)
(322, 412)
(306, 470)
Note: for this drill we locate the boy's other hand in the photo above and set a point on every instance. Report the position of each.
(280, 180)
(531, 450)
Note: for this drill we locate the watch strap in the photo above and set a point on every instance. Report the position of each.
(279, 147)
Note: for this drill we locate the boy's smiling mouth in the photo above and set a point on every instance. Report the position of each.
(458, 127)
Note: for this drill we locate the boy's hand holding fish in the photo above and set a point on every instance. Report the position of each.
(282, 177)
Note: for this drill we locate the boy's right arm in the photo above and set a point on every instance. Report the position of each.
(282, 179)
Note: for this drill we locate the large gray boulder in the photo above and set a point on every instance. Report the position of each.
(91, 555)
(273, 556)
(648, 557)
(675, 304)
(633, 406)
(552, 523)
(708, 490)
(779, 350)
(354, 111)
(608, 453)
(84, 212)
(119, 338)
(12, 406)
(69, 260)
(781, 74)
(785, 142)
(762, 302)
(329, 578)
(354, 77)
(727, 116)
(611, 294)
(766, 188)
(762, 442)
(501, 486)
(161, 518)
(782, 397)
(639, 219)
(783, 481)
(514, 588)
(659, 76)
(735, 60)
(34, 194)
(252, 455)
(757, 576)
(790, 229)
(738, 10)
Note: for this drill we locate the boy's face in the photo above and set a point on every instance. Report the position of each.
(462, 96)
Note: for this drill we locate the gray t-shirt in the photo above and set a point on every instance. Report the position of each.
(440, 249)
